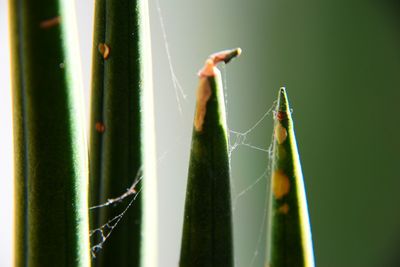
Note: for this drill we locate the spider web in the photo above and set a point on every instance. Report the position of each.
(237, 139)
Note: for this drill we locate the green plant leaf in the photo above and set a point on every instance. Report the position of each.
(207, 231)
(122, 142)
(289, 233)
(50, 154)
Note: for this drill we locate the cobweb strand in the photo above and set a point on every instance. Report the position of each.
(178, 89)
(106, 229)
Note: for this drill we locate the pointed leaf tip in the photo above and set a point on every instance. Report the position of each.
(283, 103)
(289, 241)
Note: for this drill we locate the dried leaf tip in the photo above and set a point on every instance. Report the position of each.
(226, 55)
(223, 56)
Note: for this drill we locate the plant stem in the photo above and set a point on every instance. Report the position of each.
(51, 211)
(289, 233)
(122, 141)
(207, 231)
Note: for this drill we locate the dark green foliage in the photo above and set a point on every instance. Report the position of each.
(51, 223)
(117, 134)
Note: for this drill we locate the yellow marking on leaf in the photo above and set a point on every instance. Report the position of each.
(280, 133)
(280, 184)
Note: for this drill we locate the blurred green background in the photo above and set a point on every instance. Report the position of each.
(340, 63)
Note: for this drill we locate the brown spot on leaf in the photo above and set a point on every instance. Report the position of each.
(104, 50)
(49, 23)
(100, 127)
(280, 184)
(281, 115)
(284, 209)
(203, 95)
